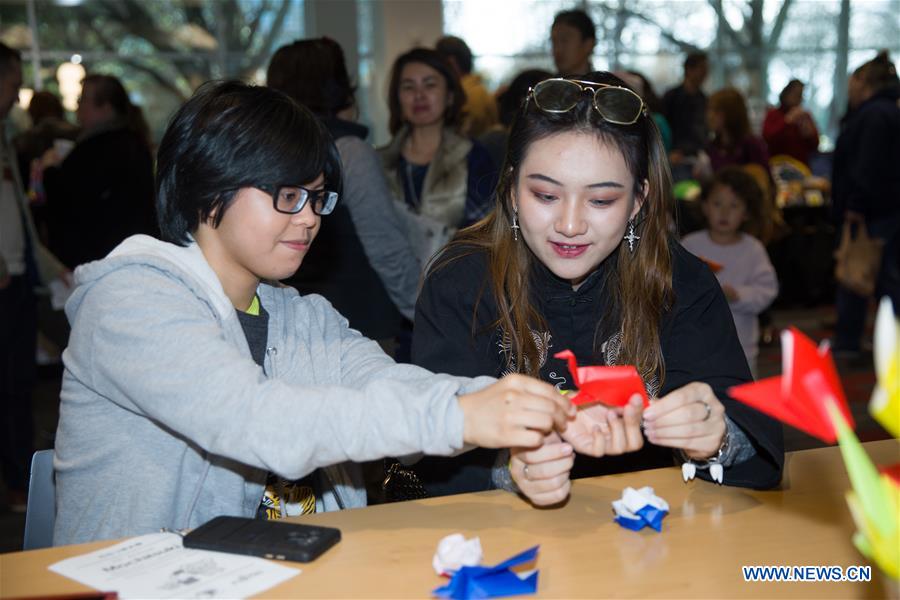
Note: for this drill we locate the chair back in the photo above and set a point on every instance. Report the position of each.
(41, 512)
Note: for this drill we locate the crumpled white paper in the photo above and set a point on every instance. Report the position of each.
(634, 500)
(455, 551)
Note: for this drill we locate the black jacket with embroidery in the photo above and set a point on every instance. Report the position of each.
(698, 339)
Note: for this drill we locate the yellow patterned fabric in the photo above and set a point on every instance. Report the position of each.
(301, 499)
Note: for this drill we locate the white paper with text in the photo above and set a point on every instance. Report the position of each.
(158, 566)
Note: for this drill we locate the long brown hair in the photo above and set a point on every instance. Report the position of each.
(640, 283)
(731, 104)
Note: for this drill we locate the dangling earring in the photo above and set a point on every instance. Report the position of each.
(515, 225)
(631, 238)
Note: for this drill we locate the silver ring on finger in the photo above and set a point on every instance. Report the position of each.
(708, 409)
(525, 472)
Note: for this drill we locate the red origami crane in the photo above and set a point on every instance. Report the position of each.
(800, 396)
(612, 386)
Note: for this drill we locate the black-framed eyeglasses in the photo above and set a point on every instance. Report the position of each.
(616, 104)
(291, 199)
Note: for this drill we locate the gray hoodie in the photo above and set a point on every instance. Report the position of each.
(166, 421)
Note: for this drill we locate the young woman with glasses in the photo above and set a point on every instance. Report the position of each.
(579, 255)
(192, 375)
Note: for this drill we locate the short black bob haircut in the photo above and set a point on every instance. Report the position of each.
(229, 136)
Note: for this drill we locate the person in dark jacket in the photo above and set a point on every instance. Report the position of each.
(578, 255)
(573, 37)
(362, 262)
(102, 192)
(866, 186)
(684, 107)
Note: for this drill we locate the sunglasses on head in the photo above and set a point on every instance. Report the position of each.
(616, 104)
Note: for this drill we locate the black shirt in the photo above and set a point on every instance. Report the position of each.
(697, 336)
(102, 193)
(256, 330)
(865, 177)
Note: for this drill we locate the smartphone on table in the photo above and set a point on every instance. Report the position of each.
(267, 539)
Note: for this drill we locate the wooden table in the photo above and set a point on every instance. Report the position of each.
(710, 533)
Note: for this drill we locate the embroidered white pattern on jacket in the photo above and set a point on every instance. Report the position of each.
(611, 349)
(541, 340)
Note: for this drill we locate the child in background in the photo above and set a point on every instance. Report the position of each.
(730, 203)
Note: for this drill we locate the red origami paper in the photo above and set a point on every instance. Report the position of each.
(800, 396)
(612, 386)
(893, 473)
(713, 265)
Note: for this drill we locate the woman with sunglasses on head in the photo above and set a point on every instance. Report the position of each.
(191, 376)
(578, 255)
(444, 178)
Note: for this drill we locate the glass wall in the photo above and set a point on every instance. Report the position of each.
(755, 45)
(163, 49)
(160, 49)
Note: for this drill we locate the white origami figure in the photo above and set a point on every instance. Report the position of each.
(716, 471)
(455, 552)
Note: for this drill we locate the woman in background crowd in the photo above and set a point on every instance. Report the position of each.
(789, 129)
(444, 178)
(733, 143)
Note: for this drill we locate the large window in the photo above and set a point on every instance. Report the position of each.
(161, 49)
(755, 45)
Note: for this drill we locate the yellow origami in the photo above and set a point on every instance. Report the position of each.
(883, 550)
(874, 502)
(885, 403)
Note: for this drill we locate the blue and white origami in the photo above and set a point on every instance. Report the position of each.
(640, 508)
(492, 582)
